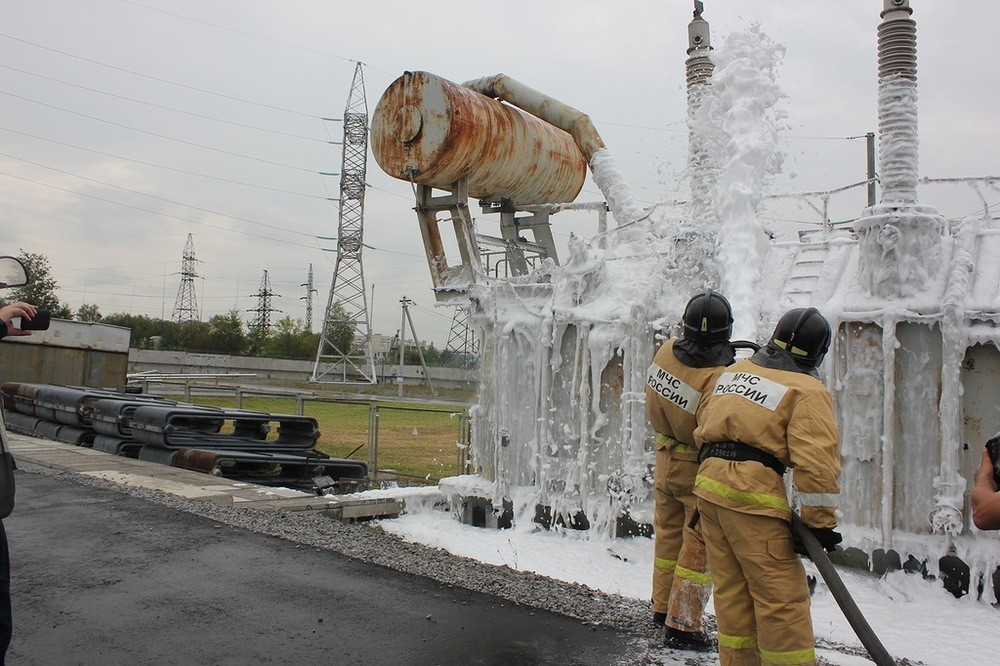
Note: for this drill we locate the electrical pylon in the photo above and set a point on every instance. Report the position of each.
(186, 305)
(463, 343)
(347, 306)
(308, 298)
(261, 324)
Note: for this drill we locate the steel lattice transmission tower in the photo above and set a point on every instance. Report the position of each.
(347, 307)
(186, 305)
(463, 343)
(308, 298)
(261, 323)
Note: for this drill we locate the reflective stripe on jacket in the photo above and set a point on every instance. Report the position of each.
(787, 414)
(673, 393)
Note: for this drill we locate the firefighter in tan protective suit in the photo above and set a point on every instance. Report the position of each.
(683, 370)
(767, 413)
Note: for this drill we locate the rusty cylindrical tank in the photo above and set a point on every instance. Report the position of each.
(434, 132)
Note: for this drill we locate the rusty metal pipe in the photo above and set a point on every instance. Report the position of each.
(578, 125)
(540, 105)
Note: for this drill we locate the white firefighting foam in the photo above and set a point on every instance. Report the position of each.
(562, 405)
(561, 422)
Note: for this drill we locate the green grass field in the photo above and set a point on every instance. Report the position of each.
(415, 442)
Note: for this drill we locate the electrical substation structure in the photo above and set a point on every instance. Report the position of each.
(341, 358)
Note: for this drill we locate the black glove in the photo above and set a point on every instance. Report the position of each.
(827, 537)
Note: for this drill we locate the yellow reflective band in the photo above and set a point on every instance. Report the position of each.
(693, 576)
(674, 444)
(741, 496)
(737, 642)
(793, 350)
(790, 657)
(667, 565)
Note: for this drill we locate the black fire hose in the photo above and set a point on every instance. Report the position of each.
(817, 553)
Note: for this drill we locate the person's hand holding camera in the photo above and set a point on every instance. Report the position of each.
(26, 311)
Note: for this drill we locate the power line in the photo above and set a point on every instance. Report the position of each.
(161, 136)
(169, 108)
(161, 214)
(167, 168)
(238, 32)
(255, 36)
(158, 198)
(156, 78)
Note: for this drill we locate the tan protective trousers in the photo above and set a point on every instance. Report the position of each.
(681, 584)
(761, 595)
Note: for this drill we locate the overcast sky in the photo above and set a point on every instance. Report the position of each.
(127, 125)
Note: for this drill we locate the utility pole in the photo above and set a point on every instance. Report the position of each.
(186, 305)
(308, 298)
(406, 318)
(402, 342)
(347, 305)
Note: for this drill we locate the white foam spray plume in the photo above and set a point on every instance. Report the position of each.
(743, 116)
(560, 420)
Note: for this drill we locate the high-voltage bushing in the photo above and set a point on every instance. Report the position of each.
(897, 41)
(699, 66)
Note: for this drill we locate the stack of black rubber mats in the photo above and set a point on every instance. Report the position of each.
(271, 449)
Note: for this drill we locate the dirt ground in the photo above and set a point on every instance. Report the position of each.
(100, 577)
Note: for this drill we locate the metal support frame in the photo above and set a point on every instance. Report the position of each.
(347, 305)
(449, 280)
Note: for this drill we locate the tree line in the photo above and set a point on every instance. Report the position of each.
(222, 334)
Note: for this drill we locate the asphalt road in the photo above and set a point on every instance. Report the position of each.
(100, 577)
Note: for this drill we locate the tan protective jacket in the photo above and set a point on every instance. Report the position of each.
(673, 393)
(787, 414)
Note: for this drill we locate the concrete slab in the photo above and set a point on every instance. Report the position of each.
(165, 485)
(189, 484)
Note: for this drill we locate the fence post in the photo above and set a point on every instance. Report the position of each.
(239, 398)
(465, 441)
(187, 391)
(300, 405)
(373, 440)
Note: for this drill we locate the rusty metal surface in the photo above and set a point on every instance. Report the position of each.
(198, 460)
(435, 132)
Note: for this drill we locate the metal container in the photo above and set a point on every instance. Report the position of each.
(433, 132)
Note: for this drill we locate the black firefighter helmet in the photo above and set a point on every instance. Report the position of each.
(708, 318)
(804, 333)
